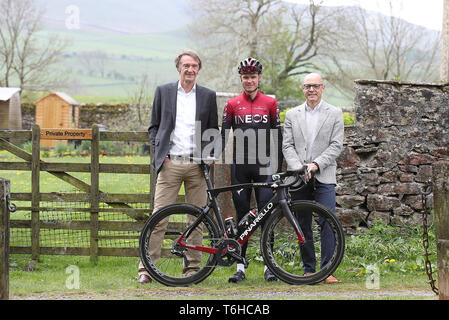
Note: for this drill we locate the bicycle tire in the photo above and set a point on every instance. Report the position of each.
(282, 253)
(170, 269)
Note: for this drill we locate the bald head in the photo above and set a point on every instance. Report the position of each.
(314, 78)
(313, 89)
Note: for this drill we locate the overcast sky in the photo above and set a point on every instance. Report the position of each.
(428, 13)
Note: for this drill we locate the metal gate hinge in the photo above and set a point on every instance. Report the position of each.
(11, 206)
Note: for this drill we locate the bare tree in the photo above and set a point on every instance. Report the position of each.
(381, 47)
(285, 37)
(10, 27)
(140, 104)
(238, 19)
(94, 61)
(226, 32)
(295, 41)
(27, 59)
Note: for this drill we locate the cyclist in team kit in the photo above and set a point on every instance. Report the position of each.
(252, 116)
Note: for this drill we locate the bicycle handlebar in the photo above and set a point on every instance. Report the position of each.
(298, 174)
(295, 173)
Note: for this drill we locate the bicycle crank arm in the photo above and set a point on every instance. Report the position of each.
(289, 216)
(239, 258)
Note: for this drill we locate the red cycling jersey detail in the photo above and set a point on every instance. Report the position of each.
(243, 113)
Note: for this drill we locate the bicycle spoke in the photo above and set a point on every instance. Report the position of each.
(174, 263)
(312, 261)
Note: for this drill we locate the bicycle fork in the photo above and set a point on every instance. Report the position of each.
(290, 218)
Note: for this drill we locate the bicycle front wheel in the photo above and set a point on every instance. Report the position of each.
(311, 262)
(170, 263)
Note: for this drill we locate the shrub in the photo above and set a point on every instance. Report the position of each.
(391, 248)
(61, 149)
(348, 118)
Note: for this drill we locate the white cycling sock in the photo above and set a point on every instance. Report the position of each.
(241, 267)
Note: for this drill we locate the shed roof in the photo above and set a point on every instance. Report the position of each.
(7, 93)
(63, 96)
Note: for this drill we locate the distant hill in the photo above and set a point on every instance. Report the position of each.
(134, 16)
(136, 37)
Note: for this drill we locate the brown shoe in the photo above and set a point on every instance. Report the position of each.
(144, 279)
(331, 279)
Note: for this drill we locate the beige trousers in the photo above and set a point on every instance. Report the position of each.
(169, 181)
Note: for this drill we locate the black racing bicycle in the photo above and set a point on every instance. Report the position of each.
(191, 243)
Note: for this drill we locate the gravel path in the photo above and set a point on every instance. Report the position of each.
(295, 294)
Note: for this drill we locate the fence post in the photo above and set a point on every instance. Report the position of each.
(4, 240)
(35, 191)
(440, 181)
(222, 178)
(94, 192)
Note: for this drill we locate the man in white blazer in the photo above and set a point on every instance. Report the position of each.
(313, 136)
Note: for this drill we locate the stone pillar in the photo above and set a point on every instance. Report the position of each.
(440, 182)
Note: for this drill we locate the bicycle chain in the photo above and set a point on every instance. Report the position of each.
(425, 236)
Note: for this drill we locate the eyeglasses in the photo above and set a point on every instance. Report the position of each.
(311, 86)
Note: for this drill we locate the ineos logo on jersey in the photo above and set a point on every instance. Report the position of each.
(251, 118)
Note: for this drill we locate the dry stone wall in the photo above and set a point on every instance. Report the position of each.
(400, 130)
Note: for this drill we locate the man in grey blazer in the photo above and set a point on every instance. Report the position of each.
(181, 112)
(313, 136)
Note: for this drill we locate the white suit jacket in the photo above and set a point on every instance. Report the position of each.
(327, 142)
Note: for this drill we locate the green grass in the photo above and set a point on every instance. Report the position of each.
(394, 250)
(115, 278)
(114, 183)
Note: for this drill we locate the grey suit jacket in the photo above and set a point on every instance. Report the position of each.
(163, 118)
(327, 144)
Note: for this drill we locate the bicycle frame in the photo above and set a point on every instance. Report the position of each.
(279, 200)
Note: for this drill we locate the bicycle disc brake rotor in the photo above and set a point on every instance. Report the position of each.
(227, 251)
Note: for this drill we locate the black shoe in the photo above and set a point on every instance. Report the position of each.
(237, 277)
(269, 276)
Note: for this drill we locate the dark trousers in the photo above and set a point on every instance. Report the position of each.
(325, 195)
(248, 173)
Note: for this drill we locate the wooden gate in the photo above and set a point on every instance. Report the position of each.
(98, 202)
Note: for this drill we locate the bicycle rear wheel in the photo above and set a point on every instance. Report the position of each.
(166, 261)
(297, 264)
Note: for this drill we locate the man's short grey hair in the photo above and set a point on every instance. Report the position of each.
(187, 52)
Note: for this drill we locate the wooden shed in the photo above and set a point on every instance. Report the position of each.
(56, 110)
(10, 109)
